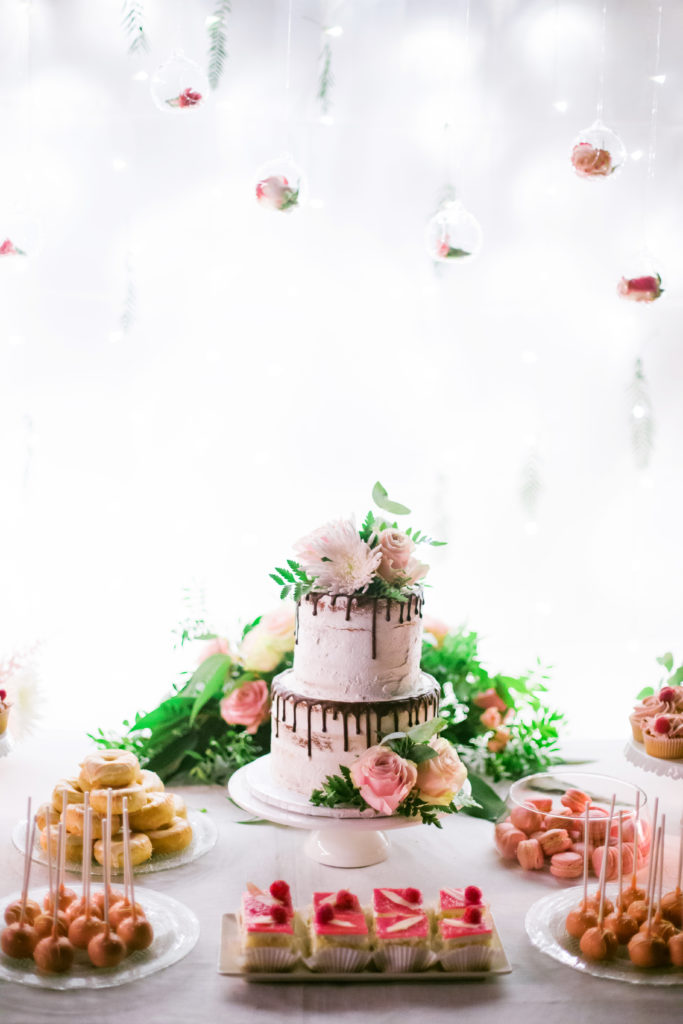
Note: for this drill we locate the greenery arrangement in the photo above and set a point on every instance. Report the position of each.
(673, 677)
(186, 739)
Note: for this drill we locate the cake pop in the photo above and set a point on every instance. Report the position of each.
(634, 893)
(582, 917)
(660, 926)
(115, 895)
(671, 904)
(645, 948)
(135, 929)
(106, 949)
(86, 925)
(621, 922)
(65, 895)
(18, 938)
(54, 954)
(676, 949)
(599, 942)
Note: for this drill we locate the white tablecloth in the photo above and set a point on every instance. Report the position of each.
(538, 990)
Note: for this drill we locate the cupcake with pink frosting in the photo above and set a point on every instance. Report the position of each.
(663, 736)
(668, 701)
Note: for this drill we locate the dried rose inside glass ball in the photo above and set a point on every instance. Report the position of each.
(597, 152)
(279, 185)
(179, 84)
(453, 234)
(640, 289)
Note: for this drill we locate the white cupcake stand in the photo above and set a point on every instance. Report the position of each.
(340, 837)
(636, 755)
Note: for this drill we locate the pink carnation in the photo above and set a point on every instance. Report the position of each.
(490, 699)
(249, 705)
(383, 778)
(440, 778)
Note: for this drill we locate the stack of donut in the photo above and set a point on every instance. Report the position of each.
(539, 834)
(158, 819)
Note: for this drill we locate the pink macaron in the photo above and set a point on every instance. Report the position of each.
(555, 841)
(526, 818)
(508, 842)
(542, 803)
(530, 855)
(566, 865)
(612, 866)
(575, 800)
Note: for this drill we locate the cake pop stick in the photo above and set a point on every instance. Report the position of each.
(43, 924)
(582, 917)
(646, 948)
(86, 925)
(586, 829)
(60, 859)
(603, 866)
(621, 922)
(24, 911)
(620, 866)
(636, 836)
(135, 931)
(54, 954)
(30, 839)
(106, 949)
(19, 938)
(65, 896)
(672, 903)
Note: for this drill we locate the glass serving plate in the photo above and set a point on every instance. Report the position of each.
(545, 927)
(204, 837)
(176, 930)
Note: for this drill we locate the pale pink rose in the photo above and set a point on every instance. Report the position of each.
(397, 547)
(248, 705)
(490, 699)
(258, 652)
(414, 572)
(440, 778)
(219, 645)
(491, 718)
(591, 162)
(499, 740)
(436, 628)
(383, 778)
(279, 625)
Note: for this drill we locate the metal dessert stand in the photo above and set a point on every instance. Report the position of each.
(340, 838)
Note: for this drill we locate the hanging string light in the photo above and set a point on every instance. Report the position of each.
(598, 152)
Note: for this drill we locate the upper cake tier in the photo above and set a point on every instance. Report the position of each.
(358, 648)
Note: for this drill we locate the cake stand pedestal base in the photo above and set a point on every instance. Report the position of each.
(340, 849)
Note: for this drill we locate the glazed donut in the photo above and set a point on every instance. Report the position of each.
(172, 838)
(74, 845)
(110, 768)
(44, 812)
(74, 793)
(159, 810)
(180, 806)
(140, 850)
(136, 799)
(151, 782)
(73, 819)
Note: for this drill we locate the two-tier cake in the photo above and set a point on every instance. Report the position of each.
(356, 675)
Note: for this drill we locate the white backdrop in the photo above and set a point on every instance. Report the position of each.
(277, 365)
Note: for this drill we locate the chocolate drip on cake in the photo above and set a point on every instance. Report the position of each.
(405, 609)
(357, 709)
(388, 609)
(374, 629)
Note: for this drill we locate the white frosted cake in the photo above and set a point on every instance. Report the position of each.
(356, 677)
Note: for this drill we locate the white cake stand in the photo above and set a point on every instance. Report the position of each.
(635, 753)
(340, 838)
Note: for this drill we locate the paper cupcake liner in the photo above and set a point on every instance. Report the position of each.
(636, 729)
(269, 958)
(340, 960)
(468, 958)
(403, 959)
(670, 749)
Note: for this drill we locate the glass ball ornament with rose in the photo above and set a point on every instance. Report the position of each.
(179, 85)
(453, 234)
(280, 185)
(20, 238)
(641, 278)
(597, 152)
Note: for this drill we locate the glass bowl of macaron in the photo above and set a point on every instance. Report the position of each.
(554, 820)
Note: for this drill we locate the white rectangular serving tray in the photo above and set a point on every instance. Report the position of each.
(229, 956)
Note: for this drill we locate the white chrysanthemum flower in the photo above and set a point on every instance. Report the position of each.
(336, 557)
(19, 677)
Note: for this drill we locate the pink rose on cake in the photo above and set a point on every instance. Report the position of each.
(440, 778)
(398, 566)
(262, 648)
(248, 705)
(383, 778)
(337, 559)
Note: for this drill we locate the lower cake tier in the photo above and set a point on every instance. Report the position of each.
(311, 737)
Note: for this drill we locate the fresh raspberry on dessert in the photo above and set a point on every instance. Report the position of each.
(279, 914)
(472, 915)
(473, 894)
(324, 914)
(280, 891)
(3, 694)
(667, 694)
(413, 895)
(661, 724)
(345, 900)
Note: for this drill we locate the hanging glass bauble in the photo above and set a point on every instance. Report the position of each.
(641, 280)
(453, 234)
(179, 84)
(597, 152)
(279, 184)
